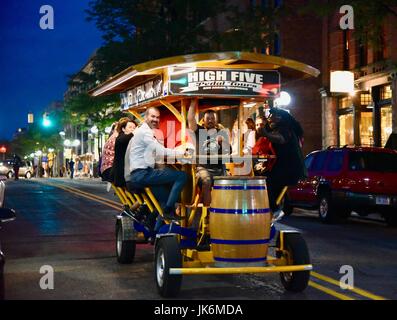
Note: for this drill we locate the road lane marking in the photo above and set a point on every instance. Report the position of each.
(87, 193)
(359, 291)
(330, 291)
(86, 196)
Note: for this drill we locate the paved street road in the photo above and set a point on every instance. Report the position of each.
(69, 225)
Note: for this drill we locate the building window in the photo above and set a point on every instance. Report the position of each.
(366, 129)
(345, 103)
(363, 54)
(346, 130)
(380, 52)
(365, 99)
(385, 123)
(385, 92)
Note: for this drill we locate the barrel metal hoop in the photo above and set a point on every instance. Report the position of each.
(245, 187)
(240, 211)
(239, 242)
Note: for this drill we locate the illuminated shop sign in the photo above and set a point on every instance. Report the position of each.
(230, 82)
(144, 92)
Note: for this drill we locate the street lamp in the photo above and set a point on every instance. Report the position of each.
(283, 100)
(76, 143)
(94, 130)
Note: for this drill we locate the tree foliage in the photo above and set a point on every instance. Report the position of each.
(142, 30)
(84, 111)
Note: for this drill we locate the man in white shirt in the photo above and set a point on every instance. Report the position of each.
(140, 159)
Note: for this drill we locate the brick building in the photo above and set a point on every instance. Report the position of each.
(370, 115)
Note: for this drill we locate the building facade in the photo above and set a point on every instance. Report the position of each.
(368, 116)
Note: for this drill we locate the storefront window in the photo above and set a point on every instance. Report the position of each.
(345, 102)
(346, 130)
(385, 123)
(385, 92)
(365, 99)
(366, 129)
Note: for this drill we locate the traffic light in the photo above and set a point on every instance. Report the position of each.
(46, 120)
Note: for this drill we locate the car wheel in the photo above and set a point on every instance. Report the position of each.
(326, 210)
(28, 175)
(167, 255)
(9, 175)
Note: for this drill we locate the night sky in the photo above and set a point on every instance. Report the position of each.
(35, 63)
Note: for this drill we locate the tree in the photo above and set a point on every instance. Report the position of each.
(137, 31)
(102, 111)
(36, 138)
(252, 28)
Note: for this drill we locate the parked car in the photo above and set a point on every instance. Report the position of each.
(5, 215)
(342, 180)
(25, 170)
(6, 169)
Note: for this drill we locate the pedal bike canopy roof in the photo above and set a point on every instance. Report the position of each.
(216, 75)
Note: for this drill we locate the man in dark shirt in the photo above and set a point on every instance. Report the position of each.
(210, 139)
(284, 132)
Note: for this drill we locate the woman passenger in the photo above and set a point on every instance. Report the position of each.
(125, 128)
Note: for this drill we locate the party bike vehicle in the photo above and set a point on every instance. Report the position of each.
(237, 232)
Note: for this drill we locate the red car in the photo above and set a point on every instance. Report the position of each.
(342, 180)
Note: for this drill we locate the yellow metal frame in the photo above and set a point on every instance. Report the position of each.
(269, 269)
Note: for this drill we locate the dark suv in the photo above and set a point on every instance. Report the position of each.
(341, 180)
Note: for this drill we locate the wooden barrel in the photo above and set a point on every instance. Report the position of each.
(239, 221)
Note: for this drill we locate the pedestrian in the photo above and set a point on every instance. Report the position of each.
(284, 133)
(16, 165)
(71, 168)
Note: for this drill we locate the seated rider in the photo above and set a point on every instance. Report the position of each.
(210, 139)
(166, 184)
